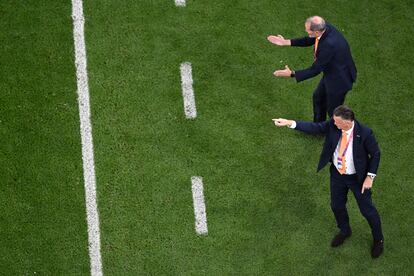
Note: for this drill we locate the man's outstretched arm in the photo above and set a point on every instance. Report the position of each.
(279, 40)
(306, 127)
(296, 42)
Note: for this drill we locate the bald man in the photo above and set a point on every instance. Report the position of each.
(332, 56)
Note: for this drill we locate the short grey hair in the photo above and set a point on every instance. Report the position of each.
(344, 112)
(317, 23)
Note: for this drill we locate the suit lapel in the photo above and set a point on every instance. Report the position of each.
(357, 139)
(335, 139)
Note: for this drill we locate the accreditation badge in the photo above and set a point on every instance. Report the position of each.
(339, 162)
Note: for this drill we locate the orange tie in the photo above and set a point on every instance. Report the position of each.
(342, 146)
(315, 48)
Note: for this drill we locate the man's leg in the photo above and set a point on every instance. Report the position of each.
(339, 192)
(319, 103)
(368, 210)
(333, 100)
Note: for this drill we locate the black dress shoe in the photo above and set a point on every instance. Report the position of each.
(339, 239)
(377, 248)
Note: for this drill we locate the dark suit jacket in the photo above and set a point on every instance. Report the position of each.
(333, 58)
(366, 152)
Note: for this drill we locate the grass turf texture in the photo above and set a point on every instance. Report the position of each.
(42, 217)
(267, 210)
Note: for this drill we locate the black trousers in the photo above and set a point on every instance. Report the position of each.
(325, 101)
(340, 185)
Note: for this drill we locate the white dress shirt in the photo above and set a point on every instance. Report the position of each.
(349, 158)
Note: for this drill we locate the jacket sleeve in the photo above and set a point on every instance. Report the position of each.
(373, 151)
(313, 128)
(324, 56)
(302, 42)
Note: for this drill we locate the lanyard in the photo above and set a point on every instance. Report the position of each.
(347, 144)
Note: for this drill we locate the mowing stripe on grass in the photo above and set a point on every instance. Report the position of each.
(86, 137)
(188, 92)
(180, 3)
(199, 205)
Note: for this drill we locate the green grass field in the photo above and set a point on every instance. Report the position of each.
(268, 210)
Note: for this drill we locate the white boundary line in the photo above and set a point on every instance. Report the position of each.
(199, 205)
(188, 92)
(180, 3)
(86, 137)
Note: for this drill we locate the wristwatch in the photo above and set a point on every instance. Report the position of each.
(292, 74)
(371, 176)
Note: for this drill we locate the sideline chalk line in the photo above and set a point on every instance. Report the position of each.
(86, 137)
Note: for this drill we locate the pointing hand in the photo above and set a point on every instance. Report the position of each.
(283, 73)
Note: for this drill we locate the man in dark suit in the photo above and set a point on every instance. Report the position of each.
(332, 56)
(354, 155)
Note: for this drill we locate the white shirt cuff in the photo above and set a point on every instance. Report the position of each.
(371, 174)
(293, 125)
